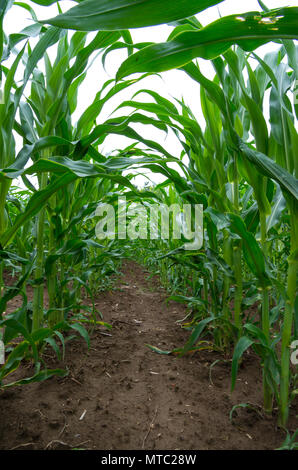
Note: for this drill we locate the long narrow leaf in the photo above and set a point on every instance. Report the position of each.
(249, 30)
(92, 15)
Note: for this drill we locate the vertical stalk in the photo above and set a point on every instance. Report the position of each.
(214, 291)
(227, 254)
(239, 287)
(62, 276)
(228, 257)
(237, 256)
(38, 290)
(1, 279)
(288, 320)
(267, 394)
(4, 188)
(53, 317)
(206, 292)
(265, 293)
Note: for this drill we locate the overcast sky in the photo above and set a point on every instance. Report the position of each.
(173, 83)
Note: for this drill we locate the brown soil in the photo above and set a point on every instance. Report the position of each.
(121, 395)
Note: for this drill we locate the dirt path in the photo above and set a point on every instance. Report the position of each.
(120, 395)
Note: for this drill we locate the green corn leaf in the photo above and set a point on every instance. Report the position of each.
(27, 122)
(4, 6)
(123, 45)
(17, 326)
(277, 209)
(39, 377)
(255, 111)
(101, 40)
(13, 256)
(268, 167)
(21, 315)
(26, 7)
(248, 30)
(49, 38)
(54, 345)
(166, 104)
(13, 291)
(86, 121)
(243, 405)
(35, 204)
(72, 93)
(83, 332)
(243, 344)
(58, 165)
(252, 251)
(258, 334)
(44, 3)
(41, 334)
(194, 337)
(29, 32)
(14, 359)
(18, 166)
(61, 337)
(158, 350)
(92, 15)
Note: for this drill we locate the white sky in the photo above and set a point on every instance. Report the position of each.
(174, 83)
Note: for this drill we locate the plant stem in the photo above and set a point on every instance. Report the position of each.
(238, 288)
(288, 320)
(52, 280)
(38, 289)
(265, 315)
(228, 257)
(1, 280)
(237, 255)
(4, 188)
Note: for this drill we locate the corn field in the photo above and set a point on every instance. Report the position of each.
(239, 163)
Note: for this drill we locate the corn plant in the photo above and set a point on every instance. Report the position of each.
(245, 162)
(241, 169)
(45, 129)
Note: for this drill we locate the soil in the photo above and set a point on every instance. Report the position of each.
(121, 395)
